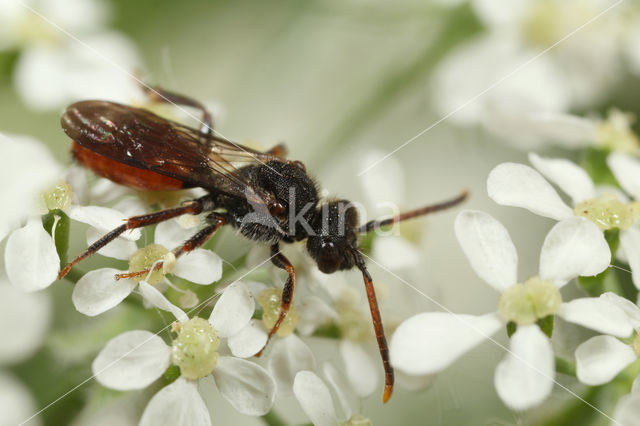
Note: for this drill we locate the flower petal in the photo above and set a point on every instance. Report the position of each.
(314, 398)
(627, 412)
(382, 186)
(132, 360)
(511, 184)
(16, 402)
(22, 337)
(572, 179)
(199, 266)
(289, 356)
(487, 245)
(573, 247)
(98, 291)
(30, 257)
(630, 309)
(157, 299)
(314, 312)
(601, 358)
(171, 234)
(103, 218)
(525, 377)
(630, 244)
(248, 341)
(179, 403)
(362, 370)
(247, 386)
(431, 341)
(119, 248)
(233, 311)
(395, 252)
(346, 397)
(598, 314)
(626, 170)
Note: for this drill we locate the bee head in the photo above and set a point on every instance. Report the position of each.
(334, 239)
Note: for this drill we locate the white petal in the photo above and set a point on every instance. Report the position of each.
(572, 179)
(171, 234)
(98, 291)
(395, 252)
(131, 206)
(247, 386)
(573, 247)
(431, 341)
(627, 412)
(626, 169)
(179, 403)
(517, 185)
(157, 299)
(346, 397)
(362, 370)
(525, 377)
(43, 170)
(248, 341)
(630, 244)
(315, 399)
(566, 130)
(30, 257)
(22, 337)
(103, 218)
(199, 266)
(501, 12)
(314, 312)
(120, 248)
(382, 185)
(289, 356)
(630, 309)
(487, 245)
(132, 360)
(601, 358)
(233, 311)
(16, 402)
(597, 314)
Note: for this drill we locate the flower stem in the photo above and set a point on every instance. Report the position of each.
(565, 366)
(273, 419)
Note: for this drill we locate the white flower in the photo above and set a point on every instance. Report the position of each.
(627, 410)
(315, 398)
(431, 341)
(516, 82)
(601, 358)
(135, 359)
(88, 62)
(521, 186)
(99, 290)
(16, 402)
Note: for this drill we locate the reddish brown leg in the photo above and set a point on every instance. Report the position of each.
(191, 244)
(157, 94)
(282, 262)
(279, 150)
(192, 207)
(378, 328)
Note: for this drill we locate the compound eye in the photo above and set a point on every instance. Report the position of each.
(329, 258)
(276, 208)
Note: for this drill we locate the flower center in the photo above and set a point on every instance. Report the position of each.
(269, 299)
(615, 133)
(58, 197)
(357, 420)
(194, 349)
(607, 212)
(145, 258)
(526, 303)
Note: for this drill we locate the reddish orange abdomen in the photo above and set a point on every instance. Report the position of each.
(124, 174)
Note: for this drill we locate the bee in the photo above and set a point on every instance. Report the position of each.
(268, 198)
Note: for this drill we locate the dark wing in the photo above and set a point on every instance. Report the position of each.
(142, 139)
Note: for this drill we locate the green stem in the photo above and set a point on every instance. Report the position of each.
(565, 366)
(273, 419)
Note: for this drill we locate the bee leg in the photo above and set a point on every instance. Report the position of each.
(191, 244)
(156, 94)
(282, 262)
(191, 207)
